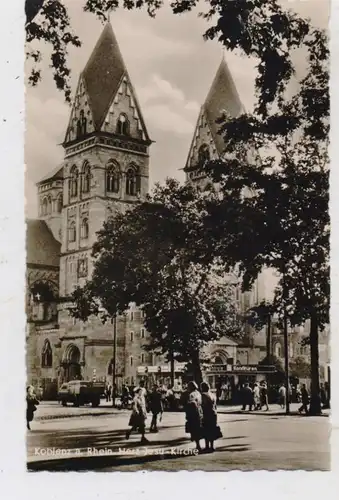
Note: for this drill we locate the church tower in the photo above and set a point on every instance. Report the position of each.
(106, 166)
(207, 144)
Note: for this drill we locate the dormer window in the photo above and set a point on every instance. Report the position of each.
(203, 155)
(123, 125)
(81, 125)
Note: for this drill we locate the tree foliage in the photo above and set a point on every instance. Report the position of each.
(274, 188)
(156, 256)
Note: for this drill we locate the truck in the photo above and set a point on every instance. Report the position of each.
(81, 392)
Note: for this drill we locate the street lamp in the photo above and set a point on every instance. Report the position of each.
(286, 353)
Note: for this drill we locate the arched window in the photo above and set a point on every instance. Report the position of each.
(123, 125)
(72, 232)
(113, 178)
(74, 181)
(86, 178)
(84, 229)
(46, 355)
(49, 205)
(131, 182)
(44, 206)
(203, 154)
(59, 203)
(278, 350)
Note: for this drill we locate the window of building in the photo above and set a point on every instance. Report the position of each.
(74, 182)
(131, 182)
(59, 203)
(131, 360)
(72, 232)
(82, 268)
(86, 178)
(132, 315)
(49, 205)
(142, 333)
(81, 125)
(132, 336)
(143, 358)
(203, 154)
(122, 125)
(44, 207)
(113, 178)
(84, 229)
(46, 355)
(278, 350)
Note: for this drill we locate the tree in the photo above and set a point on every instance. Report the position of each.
(273, 209)
(264, 30)
(300, 368)
(156, 256)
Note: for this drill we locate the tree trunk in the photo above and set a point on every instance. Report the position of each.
(315, 406)
(196, 368)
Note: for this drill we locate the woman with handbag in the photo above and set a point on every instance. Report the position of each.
(211, 431)
(138, 416)
(194, 415)
(31, 404)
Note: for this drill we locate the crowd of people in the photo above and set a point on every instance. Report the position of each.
(200, 410)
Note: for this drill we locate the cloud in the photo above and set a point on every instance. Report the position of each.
(162, 117)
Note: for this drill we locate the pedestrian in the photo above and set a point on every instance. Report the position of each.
(282, 396)
(247, 397)
(194, 414)
(256, 396)
(323, 397)
(143, 389)
(138, 416)
(264, 395)
(211, 431)
(304, 400)
(125, 396)
(31, 405)
(156, 407)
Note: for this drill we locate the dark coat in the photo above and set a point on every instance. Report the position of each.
(155, 402)
(32, 403)
(209, 410)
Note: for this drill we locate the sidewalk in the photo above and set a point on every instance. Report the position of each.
(274, 410)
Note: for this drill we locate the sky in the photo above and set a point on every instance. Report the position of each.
(171, 68)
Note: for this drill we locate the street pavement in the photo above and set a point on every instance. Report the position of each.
(94, 439)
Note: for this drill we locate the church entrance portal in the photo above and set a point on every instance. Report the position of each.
(71, 364)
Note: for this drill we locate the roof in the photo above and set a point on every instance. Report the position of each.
(103, 74)
(41, 246)
(57, 173)
(222, 96)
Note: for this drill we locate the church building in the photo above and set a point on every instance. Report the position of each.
(105, 169)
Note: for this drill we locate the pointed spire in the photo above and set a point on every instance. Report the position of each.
(103, 74)
(223, 96)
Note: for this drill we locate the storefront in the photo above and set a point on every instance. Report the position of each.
(160, 375)
(227, 380)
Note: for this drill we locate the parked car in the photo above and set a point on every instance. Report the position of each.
(81, 392)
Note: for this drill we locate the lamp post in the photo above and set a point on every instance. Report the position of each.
(114, 359)
(286, 354)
